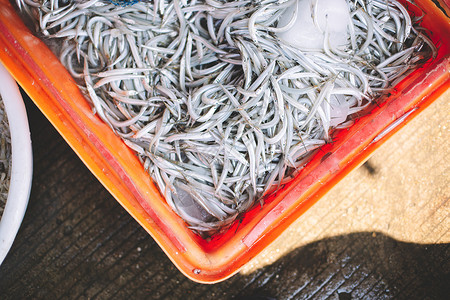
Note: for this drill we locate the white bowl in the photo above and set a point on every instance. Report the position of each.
(22, 162)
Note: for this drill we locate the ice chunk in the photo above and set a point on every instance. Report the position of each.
(189, 206)
(339, 110)
(314, 17)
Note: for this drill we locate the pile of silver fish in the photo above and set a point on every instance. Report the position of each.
(5, 157)
(219, 108)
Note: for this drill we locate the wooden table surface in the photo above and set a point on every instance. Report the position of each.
(382, 232)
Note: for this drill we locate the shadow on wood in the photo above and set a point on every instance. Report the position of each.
(77, 242)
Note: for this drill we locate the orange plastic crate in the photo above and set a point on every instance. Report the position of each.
(53, 90)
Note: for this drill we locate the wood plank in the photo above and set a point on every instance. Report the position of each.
(382, 232)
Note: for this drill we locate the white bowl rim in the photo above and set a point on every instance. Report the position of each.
(22, 162)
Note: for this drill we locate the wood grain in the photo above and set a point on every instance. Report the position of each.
(382, 232)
